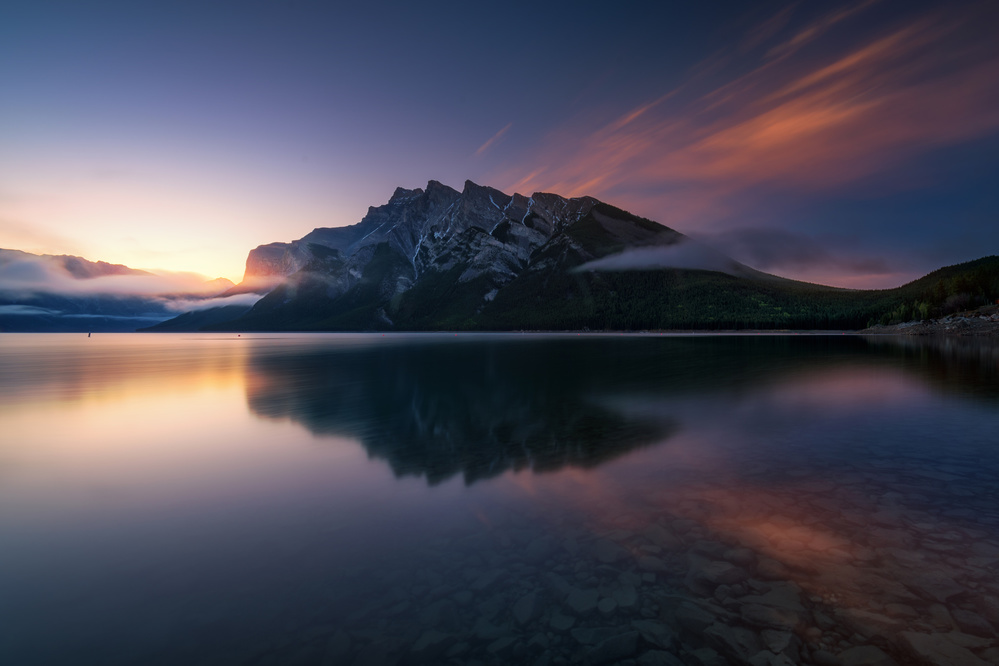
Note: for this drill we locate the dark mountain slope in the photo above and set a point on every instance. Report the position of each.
(195, 320)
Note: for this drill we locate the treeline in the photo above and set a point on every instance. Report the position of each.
(948, 290)
(561, 299)
(677, 300)
(651, 300)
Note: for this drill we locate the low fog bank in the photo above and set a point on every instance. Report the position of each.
(46, 292)
(194, 305)
(683, 255)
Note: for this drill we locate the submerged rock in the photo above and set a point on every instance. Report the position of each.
(658, 658)
(742, 557)
(527, 608)
(561, 623)
(710, 574)
(431, 645)
(770, 569)
(652, 564)
(737, 643)
(870, 625)
(937, 650)
(768, 658)
(615, 648)
(486, 581)
(705, 657)
(582, 602)
(503, 647)
(607, 606)
(972, 623)
(662, 538)
(776, 641)
(626, 597)
(655, 633)
(770, 617)
(608, 552)
(825, 658)
(935, 586)
(486, 630)
(865, 655)
(693, 618)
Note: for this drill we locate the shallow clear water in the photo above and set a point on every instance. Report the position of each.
(339, 499)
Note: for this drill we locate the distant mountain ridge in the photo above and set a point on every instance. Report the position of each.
(44, 292)
(77, 267)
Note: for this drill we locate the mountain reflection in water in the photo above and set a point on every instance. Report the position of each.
(442, 409)
(481, 406)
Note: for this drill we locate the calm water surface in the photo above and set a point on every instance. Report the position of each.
(367, 499)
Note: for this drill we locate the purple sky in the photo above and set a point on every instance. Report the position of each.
(851, 143)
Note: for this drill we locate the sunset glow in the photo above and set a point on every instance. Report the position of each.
(181, 138)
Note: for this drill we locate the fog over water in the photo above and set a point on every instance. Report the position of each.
(409, 499)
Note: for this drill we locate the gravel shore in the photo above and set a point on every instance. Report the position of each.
(983, 322)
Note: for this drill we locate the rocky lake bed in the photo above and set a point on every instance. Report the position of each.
(862, 568)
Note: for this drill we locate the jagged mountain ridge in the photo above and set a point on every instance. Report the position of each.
(421, 225)
(436, 258)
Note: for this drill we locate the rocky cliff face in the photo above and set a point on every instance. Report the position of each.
(426, 241)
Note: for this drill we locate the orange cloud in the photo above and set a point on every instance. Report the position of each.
(495, 137)
(813, 30)
(809, 117)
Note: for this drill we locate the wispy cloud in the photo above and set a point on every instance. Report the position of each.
(493, 139)
(686, 254)
(815, 113)
(764, 31)
(808, 33)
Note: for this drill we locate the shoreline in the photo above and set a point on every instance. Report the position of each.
(928, 328)
(980, 323)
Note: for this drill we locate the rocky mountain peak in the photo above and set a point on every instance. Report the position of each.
(436, 187)
(401, 195)
(482, 192)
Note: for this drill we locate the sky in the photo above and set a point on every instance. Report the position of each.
(848, 143)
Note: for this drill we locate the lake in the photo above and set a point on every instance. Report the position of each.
(492, 499)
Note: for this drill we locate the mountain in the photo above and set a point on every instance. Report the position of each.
(35, 265)
(437, 258)
(480, 259)
(197, 320)
(69, 293)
